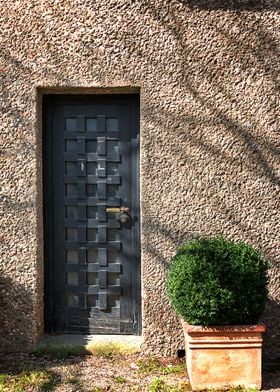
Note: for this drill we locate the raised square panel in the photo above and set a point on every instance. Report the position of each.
(113, 256)
(101, 145)
(112, 168)
(113, 235)
(112, 146)
(113, 301)
(102, 234)
(72, 212)
(91, 190)
(71, 168)
(70, 145)
(102, 190)
(72, 257)
(92, 256)
(102, 301)
(72, 300)
(71, 234)
(82, 212)
(82, 255)
(81, 123)
(91, 124)
(101, 167)
(112, 190)
(91, 212)
(112, 125)
(91, 234)
(91, 146)
(91, 168)
(113, 279)
(81, 167)
(102, 257)
(92, 300)
(81, 190)
(102, 214)
(72, 278)
(102, 279)
(81, 145)
(71, 124)
(71, 190)
(101, 124)
(82, 233)
(92, 278)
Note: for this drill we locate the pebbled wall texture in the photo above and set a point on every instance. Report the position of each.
(208, 76)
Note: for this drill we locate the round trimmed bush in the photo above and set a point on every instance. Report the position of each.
(217, 282)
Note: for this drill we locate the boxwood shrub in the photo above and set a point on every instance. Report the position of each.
(217, 282)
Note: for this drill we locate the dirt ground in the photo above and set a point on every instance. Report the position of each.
(97, 373)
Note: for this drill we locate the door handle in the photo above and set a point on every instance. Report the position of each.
(117, 209)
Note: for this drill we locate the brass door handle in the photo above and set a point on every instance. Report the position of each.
(117, 209)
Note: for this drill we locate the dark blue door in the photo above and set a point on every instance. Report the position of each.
(91, 194)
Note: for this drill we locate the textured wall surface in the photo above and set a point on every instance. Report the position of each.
(208, 73)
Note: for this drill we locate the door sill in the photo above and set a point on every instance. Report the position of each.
(120, 343)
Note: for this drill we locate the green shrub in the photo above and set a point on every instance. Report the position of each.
(217, 282)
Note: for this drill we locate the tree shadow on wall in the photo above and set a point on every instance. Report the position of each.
(263, 56)
(16, 302)
(234, 5)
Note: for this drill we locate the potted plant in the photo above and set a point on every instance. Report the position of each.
(219, 288)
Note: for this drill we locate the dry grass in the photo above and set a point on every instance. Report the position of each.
(97, 369)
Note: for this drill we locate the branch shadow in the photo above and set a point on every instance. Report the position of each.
(19, 357)
(233, 5)
(258, 148)
(266, 52)
(15, 300)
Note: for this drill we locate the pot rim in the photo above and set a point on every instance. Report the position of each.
(223, 328)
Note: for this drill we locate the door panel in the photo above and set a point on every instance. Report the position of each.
(92, 214)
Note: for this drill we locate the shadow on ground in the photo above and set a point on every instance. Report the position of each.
(235, 5)
(91, 373)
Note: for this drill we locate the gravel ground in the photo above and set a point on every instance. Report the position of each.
(98, 373)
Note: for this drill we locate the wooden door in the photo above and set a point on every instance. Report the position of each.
(91, 199)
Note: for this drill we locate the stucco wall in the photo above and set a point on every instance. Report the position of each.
(208, 74)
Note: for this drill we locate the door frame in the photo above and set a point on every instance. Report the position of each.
(47, 100)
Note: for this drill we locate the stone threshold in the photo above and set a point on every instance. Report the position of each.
(130, 341)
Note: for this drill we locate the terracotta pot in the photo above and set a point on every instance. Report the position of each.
(219, 357)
